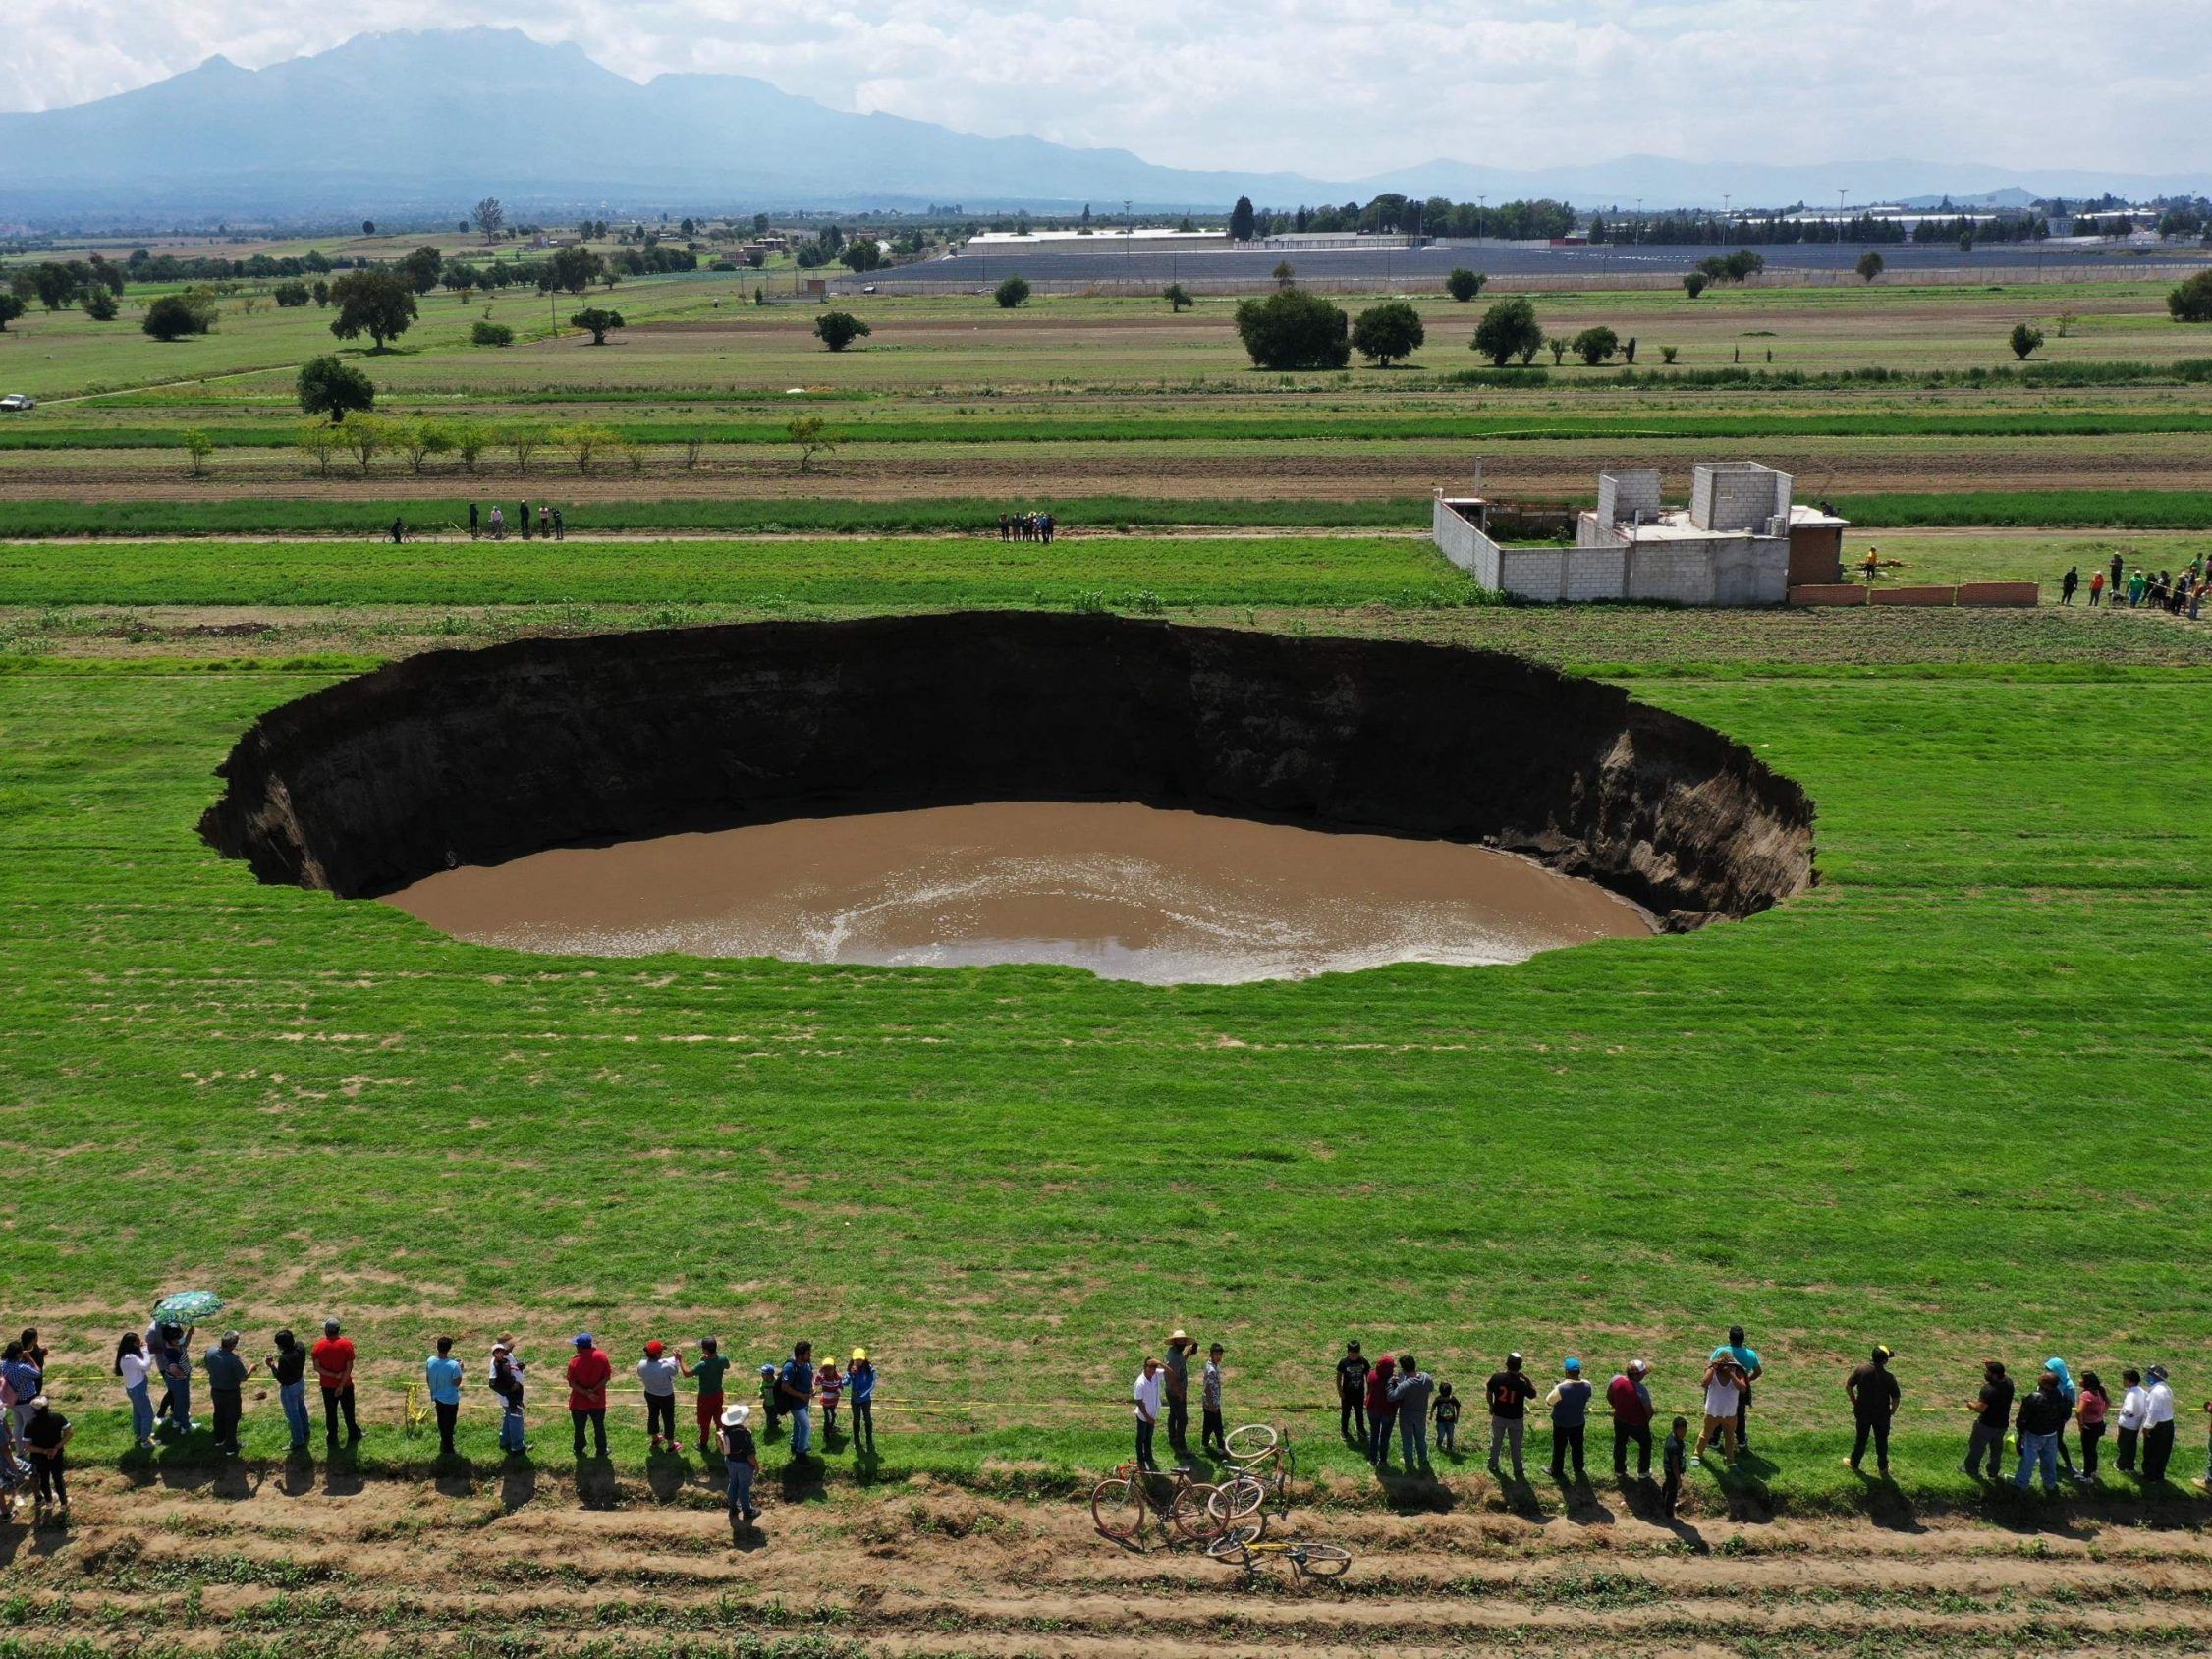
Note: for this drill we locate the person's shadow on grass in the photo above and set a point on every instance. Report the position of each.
(800, 1481)
(667, 1473)
(518, 1482)
(596, 1483)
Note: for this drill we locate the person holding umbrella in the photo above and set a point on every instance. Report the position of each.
(174, 1362)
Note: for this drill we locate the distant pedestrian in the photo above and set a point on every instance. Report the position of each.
(508, 1381)
(2138, 585)
(1409, 1395)
(829, 1389)
(560, 526)
(289, 1366)
(2158, 1425)
(442, 1373)
(1179, 1347)
(2090, 1412)
(1006, 527)
(1674, 1458)
(1446, 1412)
(1213, 1434)
(1508, 1394)
(2117, 569)
(859, 1377)
(333, 1359)
(1748, 1361)
(2097, 588)
(656, 1373)
(2135, 1401)
(1873, 1395)
(1993, 1416)
(1352, 1393)
(523, 518)
(134, 1368)
(589, 1371)
(1723, 1386)
(498, 522)
(794, 1396)
(1147, 1391)
(46, 1436)
(2068, 583)
(709, 1371)
(474, 521)
(399, 530)
(226, 1387)
(2042, 1413)
(741, 1458)
(1570, 1403)
(1047, 524)
(1380, 1414)
(1630, 1396)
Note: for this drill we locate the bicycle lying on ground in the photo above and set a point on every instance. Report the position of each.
(1182, 1508)
(1260, 1481)
(1305, 1561)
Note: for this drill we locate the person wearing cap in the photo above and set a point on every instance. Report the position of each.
(1993, 1416)
(1570, 1400)
(1746, 1361)
(829, 1389)
(1379, 1411)
(226, 1385)
(1873, 1395)
(1213, 1434)
(795, 1395)
(46, 1436)
(657, 1373)
(1352, 1393)
(333, 1360)
(2158, 1425)
(1508, 1393)
(289, 1365)
(859, 1378)
(1630, 1396)
(1146, 1392)
(2134, 1401)
(742, 1460)
(508, 1382)
(1411, 1391)
(589, 1371)
(710, 1371)
(1179, 1346)
(442, 1372)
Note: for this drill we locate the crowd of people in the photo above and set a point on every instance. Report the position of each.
(551, 525)
(2180, 592)
(1026, 526)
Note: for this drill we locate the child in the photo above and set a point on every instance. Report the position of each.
(829, 1388)
(1446, 1411)
(1674, 1456)
(860, 1375)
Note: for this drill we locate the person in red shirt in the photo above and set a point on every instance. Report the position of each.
(1630, 1396)
(1381, 1414)
(588, 1372)
(333, 1359)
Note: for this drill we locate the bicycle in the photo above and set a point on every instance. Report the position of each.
(1305, 1561)
(1265, 1465)
(1182, 1507)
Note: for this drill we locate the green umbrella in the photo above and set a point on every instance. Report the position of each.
(188, 1307)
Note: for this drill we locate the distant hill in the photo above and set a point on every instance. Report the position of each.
(423, 123)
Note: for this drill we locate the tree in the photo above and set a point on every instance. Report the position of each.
(584, 441)
(363, 436)
(600, 320)
(1178, 296)
(1292, 329)
(1242, 220)
(1387, 332)
(1595, 345)
(174, 315)
(418, 440)
(807, 433)
(523, 442)
(1966, 241)
(328, 386)
(200, 446)
(369, 227)
(1870, 265)
(2024, 339)
(839, 329)
(1463, 284)
(1013, 292)
(55, 284)
(1285, 273)
(316, 441)
(422, 267)
(571, 269)
(11, 308)
(863, 254)
(379, 303)
(99, 304)
(1696, 283)
(483, 333)
(2192, 301)
(1557, 345)
(471, 438)
(288, 294)
(1509, 329)
(1740, 267)
(489, 216)
(322, 291)
(1628, 349)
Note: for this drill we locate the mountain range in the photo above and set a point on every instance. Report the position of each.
(424, 122)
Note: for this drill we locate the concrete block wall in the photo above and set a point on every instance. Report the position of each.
(1738, 495)
(1460, 542)
(1672, 572)
(1625, 492)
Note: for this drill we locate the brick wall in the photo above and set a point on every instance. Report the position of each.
(1738, 495)
(1623, 492)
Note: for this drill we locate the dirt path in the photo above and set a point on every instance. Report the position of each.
(401, 1567)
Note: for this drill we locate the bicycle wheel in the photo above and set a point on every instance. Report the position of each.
(1232, 1549)
(1238, 1507)
(1320, 1561)
(1251, 1443)
(1117, 1509)
(1191, 1516)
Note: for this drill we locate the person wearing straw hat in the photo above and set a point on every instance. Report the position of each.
(742, 1459)
(859, 1390)
(1179, 1348)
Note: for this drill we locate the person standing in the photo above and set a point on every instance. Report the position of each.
(289, 1365)
(2097, 588)
(523, 518)
(544, 521)
(794, 1396)
(2068, 583)
(1179, 1394)
(1724, 1398)
(2158, 1425)
(1379, 1411)
(1570, 1403)
(1409, 1397)
(1746, 1358)
(1352, 1393)
(2135, 1401)
(1873, 1395)
(560, 526)
(1993, 1416)
(134, 1367)
(2042, 1414)
(46, 1436)
(498, 522)
(1146, 1392)
(1674, 1458)
(333, 1359)
(1508, 1393)
(1446, 1411)
(1630, 1396)
(173, 1360)
(656, 1373)
(829, 1389)
(589, 1371)
(741, 1458)
(23, 1379)
(507, 1381)
(859, 1376)
(710, 1371)
(2117, 568)
(472, 521)
(443, 1373)
(1213, 1434)
(2090, 1412)
(226, 1386)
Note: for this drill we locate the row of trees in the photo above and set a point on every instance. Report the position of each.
(1394, 213)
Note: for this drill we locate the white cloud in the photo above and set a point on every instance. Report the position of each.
(1336, 88)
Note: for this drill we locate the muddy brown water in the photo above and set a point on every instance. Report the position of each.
(1126, 891)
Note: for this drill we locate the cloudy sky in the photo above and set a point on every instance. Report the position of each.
(1330, 87)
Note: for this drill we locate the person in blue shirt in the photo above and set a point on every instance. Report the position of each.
(1744, 1355)
(1570, 1400)
(443, 1372)
(794, 1396)
(859, 1393)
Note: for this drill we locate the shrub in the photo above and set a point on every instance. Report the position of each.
(1013, 292)
(1463, 284)
(2192, 301)
(288, 294)
(1596, 345)
(1178, 296)
(1507, 330)
(316, 441)
(200, 446)
(1292, 329)
(1696, 283)
(490, 334)
(1557, 344)
(1387, 332)
(1667, 353)
(2024, 339)
(839, 329)
(584, 440)
(1870, 265)
(174, 315)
